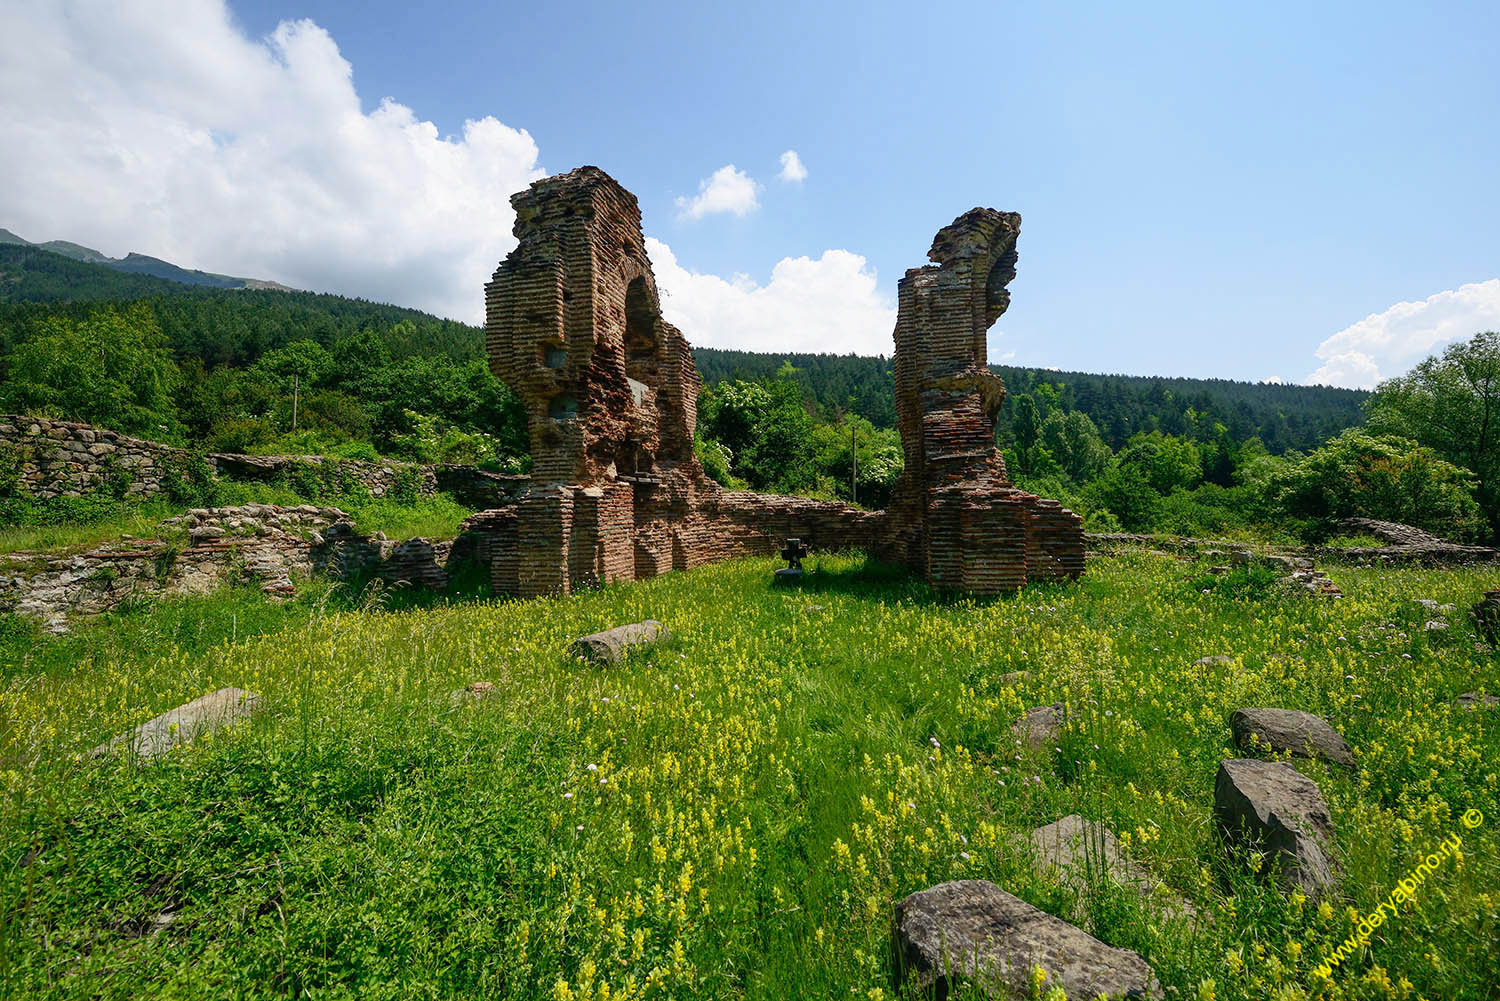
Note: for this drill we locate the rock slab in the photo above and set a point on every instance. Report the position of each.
(1271, 806)
(611, 646)
(971, 930)
(205, 714)
(1074, 846)
(1289, 730)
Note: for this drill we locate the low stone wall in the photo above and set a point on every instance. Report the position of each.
(262, 544)
(63, 459)
(52, 458)
(332, 475)
(1419, 548)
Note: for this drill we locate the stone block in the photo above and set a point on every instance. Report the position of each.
(611, 646)
(971, 932)
(1270, 806)
(203, 715)
(1289, 730)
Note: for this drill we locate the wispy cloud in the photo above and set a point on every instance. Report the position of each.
(729, 189)
(1386, 344)
(792, 169)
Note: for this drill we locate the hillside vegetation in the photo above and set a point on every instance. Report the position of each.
(733, 814)
(259, 371)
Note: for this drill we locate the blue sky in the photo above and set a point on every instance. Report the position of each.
(1205, 191)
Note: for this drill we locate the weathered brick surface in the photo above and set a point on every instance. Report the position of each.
(955, 516)
(574, 327)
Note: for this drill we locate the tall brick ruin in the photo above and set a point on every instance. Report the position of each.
(574, 327)
(955, 518)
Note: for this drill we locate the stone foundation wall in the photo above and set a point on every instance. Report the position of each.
(260, 544)
(50, 458)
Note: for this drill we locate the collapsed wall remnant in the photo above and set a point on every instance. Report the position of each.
(573, 326)
(955, 518)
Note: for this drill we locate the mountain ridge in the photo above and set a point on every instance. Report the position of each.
(143, 264)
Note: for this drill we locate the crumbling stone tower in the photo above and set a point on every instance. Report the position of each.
(955, 517)
(574, 327)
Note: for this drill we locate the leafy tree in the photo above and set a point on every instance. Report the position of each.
(1127, 494)
(1164, 461)
(879, 455)
(1451, 404)
(110, 367)
(308, 361)
(766, 428)
(1359, 474)
(1075, 444)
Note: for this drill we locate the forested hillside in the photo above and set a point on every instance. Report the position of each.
(1282, 417)
(260, 371)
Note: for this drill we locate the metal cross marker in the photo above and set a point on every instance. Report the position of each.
(793, 553)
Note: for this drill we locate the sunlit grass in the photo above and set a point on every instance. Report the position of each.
(732, 814)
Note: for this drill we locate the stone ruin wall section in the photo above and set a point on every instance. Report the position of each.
(574, 327)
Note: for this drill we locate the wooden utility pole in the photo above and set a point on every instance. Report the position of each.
(853, 467)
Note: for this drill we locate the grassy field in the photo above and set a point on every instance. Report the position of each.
(734, 813)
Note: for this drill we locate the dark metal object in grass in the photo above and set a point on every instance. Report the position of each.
(793, 553)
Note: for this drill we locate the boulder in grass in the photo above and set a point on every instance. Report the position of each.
(971, 931)
(1041, 726)
(1272, 807)
(1474, 700)
(206, 714)
(611, 646)
(1289, 730)
(1215, 660)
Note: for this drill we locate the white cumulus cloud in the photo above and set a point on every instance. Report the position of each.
(1387, 344)
(158, 126)
(729, 189)
(792, 169)
(832, 304)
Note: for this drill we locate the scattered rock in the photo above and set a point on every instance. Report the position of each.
(1074, 846)
(205, 714)
(1270, 806)
(1313, 581)
(472, 692)
(1486, 616)
(1014, 678)
(1473, 700)
(1041, 725)
(1291, 730)
(611, 646)
(972, 931)
(1432, 606)
(1216, 660)
(1435, 625)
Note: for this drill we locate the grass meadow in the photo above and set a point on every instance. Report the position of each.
(734, 813)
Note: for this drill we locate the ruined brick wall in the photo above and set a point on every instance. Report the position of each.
(573, 325)
(955, 517)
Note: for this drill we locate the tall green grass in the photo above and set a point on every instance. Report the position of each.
(734, 813)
